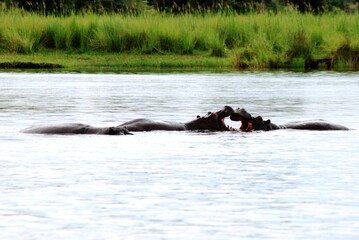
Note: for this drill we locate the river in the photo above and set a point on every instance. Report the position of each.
(284, 184)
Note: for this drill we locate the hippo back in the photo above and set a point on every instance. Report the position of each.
(142, 124)
(320, 125)
(72, 128)
(76, 128)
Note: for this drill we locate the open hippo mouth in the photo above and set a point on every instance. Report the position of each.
(221, 116)
(246, 119)
(222, 125)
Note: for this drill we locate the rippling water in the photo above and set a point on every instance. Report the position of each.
(283, 184)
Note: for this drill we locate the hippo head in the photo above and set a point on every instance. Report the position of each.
(249, 123)
(117, 131)
(211, 121)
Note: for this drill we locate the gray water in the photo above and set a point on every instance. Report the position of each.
(285, 184)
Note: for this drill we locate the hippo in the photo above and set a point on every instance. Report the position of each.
(76, 128)
(211, 121)
(250, 123)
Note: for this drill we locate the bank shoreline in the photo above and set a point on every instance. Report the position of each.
(63, 61)
(106, 62)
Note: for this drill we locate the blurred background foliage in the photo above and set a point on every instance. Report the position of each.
(67, 7)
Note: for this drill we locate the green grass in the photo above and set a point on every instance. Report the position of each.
(123, 62)
(213, 40)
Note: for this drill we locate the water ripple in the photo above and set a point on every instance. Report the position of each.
(178, 185)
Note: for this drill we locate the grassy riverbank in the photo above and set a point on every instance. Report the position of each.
(154, 40)
(121, 61)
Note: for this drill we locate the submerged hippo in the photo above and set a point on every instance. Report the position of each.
(250, 123)
(212, 121)
(76, 128)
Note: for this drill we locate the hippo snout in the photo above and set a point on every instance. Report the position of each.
(240, 114)
(225, 112)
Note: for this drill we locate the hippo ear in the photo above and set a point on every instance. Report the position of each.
(260, 118)
(198, 116)
(267, 122)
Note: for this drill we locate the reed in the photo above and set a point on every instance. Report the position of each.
(254, 40)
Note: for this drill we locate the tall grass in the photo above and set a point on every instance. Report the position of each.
(257, 40)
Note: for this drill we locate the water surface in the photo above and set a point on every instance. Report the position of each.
(283, 184)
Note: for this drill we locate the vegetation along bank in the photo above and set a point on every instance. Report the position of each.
(288, 39)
